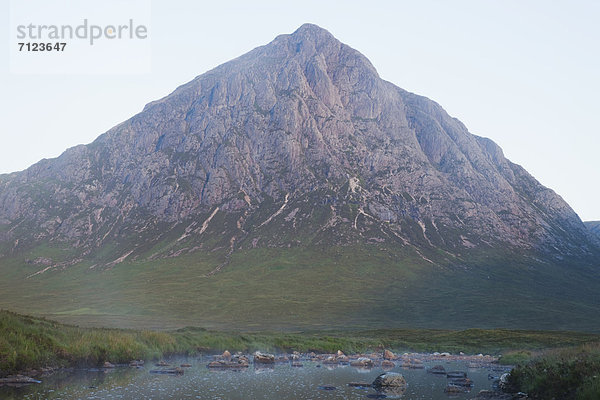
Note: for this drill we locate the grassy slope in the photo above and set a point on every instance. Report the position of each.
(357, 287)
(28, 342)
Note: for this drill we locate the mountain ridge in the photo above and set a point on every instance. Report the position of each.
(593, 226)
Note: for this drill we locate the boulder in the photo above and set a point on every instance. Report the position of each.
(107, 365)
(340, 353)
(362, 362)
(241, 359)
(343, 359)
(162, 364)
(388, 355)
(226, 355)
(395, 392)
(263, 358)
(389, 379)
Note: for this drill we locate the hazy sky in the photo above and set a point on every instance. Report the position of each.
(523, 73)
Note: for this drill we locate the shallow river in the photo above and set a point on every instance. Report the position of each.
(280, 382)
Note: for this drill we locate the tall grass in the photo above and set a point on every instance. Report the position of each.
(569, 373)
(28, 342)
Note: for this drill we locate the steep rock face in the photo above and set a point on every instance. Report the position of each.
(302, 135)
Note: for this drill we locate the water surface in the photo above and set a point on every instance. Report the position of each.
(281, 382)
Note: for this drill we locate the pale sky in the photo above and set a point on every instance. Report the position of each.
(524, 73)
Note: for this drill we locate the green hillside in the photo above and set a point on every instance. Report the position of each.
(358, 287)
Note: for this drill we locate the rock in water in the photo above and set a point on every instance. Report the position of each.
(263, 358)
(389, 379)
(363, 362)
(388, 355)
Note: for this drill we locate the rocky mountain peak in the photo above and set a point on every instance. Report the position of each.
(298, 142)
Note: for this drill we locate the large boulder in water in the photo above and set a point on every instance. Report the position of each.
(389, 379)
(263, 358)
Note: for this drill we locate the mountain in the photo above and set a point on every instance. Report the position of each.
(286, 187)
(593, 226)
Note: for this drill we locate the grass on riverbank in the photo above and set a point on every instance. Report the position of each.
(567, 373)
(29, 342)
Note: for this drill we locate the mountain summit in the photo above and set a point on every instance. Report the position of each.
(298, 152)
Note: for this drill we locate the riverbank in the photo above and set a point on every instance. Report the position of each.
(33, 343)
(566, 373)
